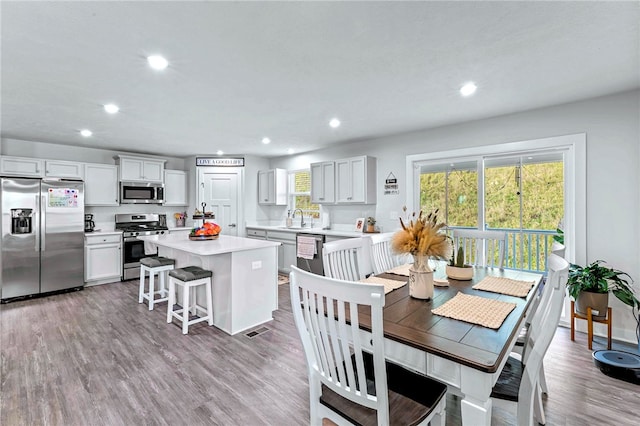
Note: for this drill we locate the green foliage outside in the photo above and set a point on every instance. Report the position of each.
(455, 194)
(302, 199)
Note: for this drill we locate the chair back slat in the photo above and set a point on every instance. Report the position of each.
(326, 316)
(481, 248)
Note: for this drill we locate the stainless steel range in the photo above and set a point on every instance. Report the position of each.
(132, 226)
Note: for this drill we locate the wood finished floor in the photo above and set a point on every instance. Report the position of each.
(97, 357)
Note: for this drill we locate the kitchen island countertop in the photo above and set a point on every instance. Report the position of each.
(224, 244)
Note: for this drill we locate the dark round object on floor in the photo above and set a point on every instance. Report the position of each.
(618, 364)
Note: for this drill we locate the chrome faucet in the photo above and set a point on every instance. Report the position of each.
(301, 217)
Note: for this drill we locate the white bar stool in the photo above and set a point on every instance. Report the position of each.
(154, 265)
(189, 278)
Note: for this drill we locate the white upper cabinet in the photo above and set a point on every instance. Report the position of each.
(101, 185)
(19, 166)
(323, 183)
(139, 169)
(175, 188)
(272, 187)
(64, 169)
(356, 180)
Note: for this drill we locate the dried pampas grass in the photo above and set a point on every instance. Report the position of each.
(422, 236)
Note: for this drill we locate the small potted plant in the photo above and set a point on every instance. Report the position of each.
(457, 269)
(590, 286)
(371, 224)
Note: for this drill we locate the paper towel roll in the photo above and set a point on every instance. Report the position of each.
(326, 221)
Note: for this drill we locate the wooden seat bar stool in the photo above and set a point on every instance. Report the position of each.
(189, 278)
(590, 321)
(156, 265)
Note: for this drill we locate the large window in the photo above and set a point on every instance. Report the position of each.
(300, 194)
(520, 194)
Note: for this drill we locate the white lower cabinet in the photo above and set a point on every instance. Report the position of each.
(102, 258)
(287, 254)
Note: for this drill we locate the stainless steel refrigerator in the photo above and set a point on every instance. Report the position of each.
(42, 233)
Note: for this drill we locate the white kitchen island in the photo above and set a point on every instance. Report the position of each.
(245, 275)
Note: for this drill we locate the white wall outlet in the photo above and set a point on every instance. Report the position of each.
(393, 215)
(256, 264)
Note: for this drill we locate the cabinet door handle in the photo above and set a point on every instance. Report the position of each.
(232, 225)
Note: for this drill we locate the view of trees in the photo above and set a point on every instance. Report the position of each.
(528, 197)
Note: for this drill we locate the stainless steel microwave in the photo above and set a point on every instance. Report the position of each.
(141, 193)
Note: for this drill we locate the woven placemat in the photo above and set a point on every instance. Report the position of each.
(389, 285)
(401, 270)
(488, 313)
(505, 286)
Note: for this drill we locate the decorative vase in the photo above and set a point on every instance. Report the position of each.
(371, 228)
(421, 278)
(460, 274)
(597, 301)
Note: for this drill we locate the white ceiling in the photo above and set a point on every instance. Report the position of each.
(240, 71)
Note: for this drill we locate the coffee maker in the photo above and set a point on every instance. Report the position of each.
(89, 224)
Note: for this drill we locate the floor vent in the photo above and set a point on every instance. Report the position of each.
(254, 333)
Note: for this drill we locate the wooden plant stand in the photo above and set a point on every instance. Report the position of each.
(590, 321)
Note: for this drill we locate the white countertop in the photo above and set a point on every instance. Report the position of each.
(100, 232)
(331, 232)
(224, 244)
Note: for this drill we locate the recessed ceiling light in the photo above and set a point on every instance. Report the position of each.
(86, 133)
(266, 141)
(219, 152)
(468, 89)
(111, 108)
(157, 62)
(334, 123)
(290, 151)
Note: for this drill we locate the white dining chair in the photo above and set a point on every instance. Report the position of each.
(347, 259)
(557, 248)
(519, 379)
(350, 381)
(481, 248)
(382, 259)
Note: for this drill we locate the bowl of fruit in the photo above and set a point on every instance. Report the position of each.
(208, 231)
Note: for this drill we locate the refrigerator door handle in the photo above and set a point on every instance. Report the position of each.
(37, 227)
(43, 221)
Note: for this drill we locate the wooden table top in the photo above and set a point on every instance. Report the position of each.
(410, 321)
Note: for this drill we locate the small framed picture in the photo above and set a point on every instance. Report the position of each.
(360, 224)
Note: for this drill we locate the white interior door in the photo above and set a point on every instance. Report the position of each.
(221, 192)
